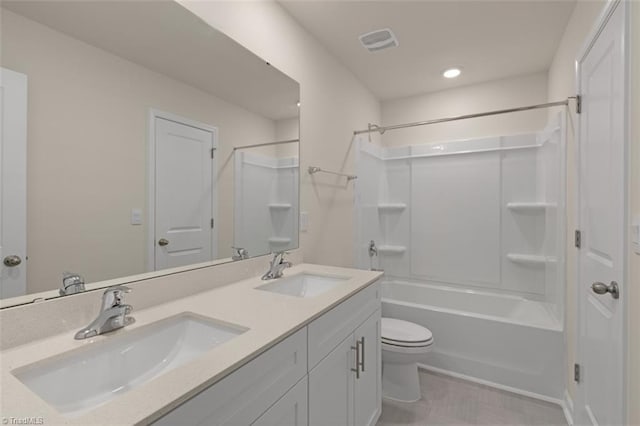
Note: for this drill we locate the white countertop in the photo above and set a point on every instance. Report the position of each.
(270, 317)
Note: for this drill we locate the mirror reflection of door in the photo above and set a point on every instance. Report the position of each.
(13, 183)
(183, 192)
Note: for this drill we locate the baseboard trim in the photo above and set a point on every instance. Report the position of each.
(567, 407)
(493, 385)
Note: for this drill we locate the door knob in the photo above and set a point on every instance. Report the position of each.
(602, 288)
(163, 242)
(12, 261)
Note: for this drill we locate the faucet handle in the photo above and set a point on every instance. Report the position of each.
(113, 296)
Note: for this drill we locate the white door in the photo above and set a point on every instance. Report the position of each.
(184, 194)
(331, 389)
(602, 218)
(13, 183)
(368, 387)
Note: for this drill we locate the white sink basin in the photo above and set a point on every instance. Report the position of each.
(302, 285)
(83, 379)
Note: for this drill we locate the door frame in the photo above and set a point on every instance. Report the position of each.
(151, 180)
(13, 161)
(599, 25)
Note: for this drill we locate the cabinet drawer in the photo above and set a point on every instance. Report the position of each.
(329, 330)
(290, 410)
(245, 394)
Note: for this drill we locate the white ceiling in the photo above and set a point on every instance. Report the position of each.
(167, 38)
(487, 39)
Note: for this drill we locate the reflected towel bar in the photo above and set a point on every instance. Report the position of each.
(312, 170)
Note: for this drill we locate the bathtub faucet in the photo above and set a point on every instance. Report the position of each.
(373, 250)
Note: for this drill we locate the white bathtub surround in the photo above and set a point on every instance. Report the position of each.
(269, 318)
(481, 213)
(266, 206)
(507, 341)
(471, 236)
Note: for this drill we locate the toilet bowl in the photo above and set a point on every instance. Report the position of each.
(403, 345)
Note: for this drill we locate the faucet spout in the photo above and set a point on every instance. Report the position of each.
(114, 314)
(277, 266)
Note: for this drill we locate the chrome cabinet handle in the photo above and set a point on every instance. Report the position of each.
(12, 261)
(163, 242)
(361, 342)
(357, 369)
(602, 288)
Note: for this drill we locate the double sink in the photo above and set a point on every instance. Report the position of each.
(83, 379)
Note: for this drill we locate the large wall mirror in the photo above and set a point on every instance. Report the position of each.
(136, 139)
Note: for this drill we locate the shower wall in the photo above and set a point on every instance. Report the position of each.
(480, 213)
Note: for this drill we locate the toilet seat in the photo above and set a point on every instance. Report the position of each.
(404, 334)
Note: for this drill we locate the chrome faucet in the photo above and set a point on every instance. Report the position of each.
(277, 265)
(239, 253)
(71, 284)
(113, 315)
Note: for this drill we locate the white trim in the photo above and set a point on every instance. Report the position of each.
(151, 189)
(567, 407)
(598, 27)
(491, 384)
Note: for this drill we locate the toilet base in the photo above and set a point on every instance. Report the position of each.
(401, 382)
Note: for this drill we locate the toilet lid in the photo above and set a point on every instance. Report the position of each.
(395, 331)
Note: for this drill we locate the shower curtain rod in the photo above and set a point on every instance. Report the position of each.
(265, 144)
(381, 130)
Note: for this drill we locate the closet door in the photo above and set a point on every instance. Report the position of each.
(368, 387)
(331, 387)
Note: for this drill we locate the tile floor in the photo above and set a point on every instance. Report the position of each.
(450, 401)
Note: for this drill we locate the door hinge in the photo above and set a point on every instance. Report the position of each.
(576, 373)
(578, 238)
(579, 104)
(213, 153)
(212, 223)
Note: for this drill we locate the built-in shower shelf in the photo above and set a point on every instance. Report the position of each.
(279, 206)
(529, 207)
(391, 207)
(391, 250)
(531, 259)
(279, 240)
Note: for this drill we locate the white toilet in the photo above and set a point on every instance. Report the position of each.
(403, 345)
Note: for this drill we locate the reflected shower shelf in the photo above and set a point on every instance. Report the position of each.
(391, 249)
(279, 240)
(391, 207)
(279, 206)
(526, 207)
(531, 259)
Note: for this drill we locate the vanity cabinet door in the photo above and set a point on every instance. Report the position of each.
(368, 387)
(331, 387)
(290, 410)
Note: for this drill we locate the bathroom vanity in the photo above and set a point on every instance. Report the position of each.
(301, 349)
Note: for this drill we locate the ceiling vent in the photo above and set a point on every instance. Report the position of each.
(378, 40)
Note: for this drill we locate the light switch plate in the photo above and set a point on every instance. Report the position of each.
(635, 234)
(136, 216)
(304, 221)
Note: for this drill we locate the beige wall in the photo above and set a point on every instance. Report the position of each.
(499, 94)
(633, 303)
(87, 130)
(334, 103)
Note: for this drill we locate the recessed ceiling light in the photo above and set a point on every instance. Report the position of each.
(452, 73)
(298, 104)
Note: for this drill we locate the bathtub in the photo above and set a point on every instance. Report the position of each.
(500, 340)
